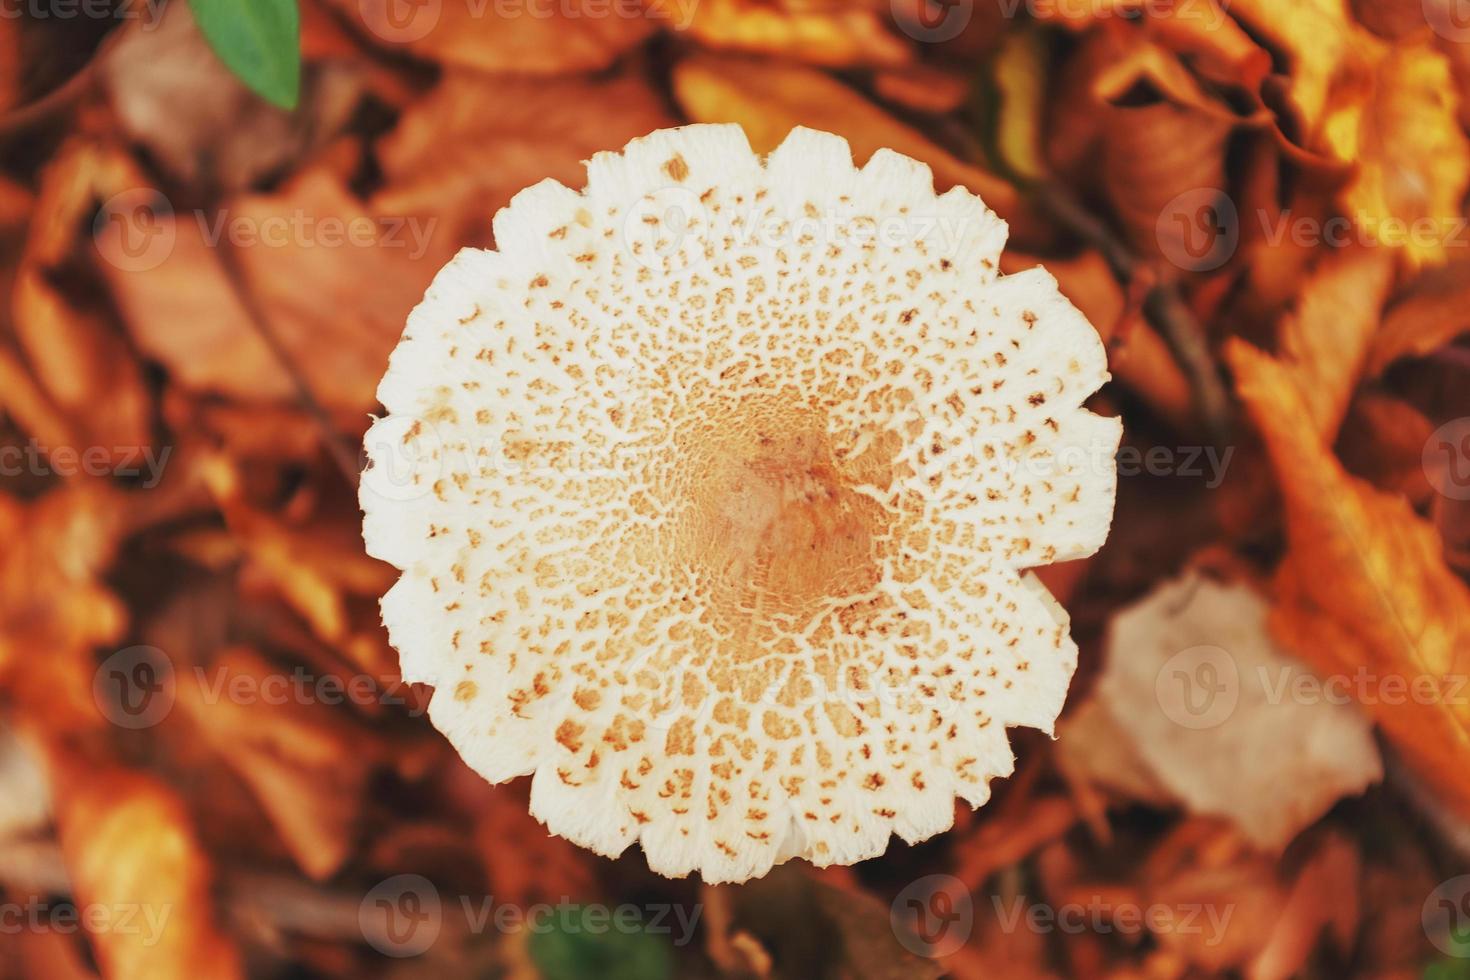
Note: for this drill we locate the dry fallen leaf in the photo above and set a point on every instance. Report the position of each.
(1207, 700)
(131, 849)
(1317, 36)
(827, 35)
(1326, 339)
(1365, 588)
(79, 358)
(305, 762)
(174, 96)
(769, 99)
(9, 63)
(1398, 119)
(53, 600)
(574, 35)
(459, 153)
(1431, 312)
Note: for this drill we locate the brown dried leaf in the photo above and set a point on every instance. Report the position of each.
(836, 37)
(461, 152)
(923, 88)
(78, 358)
(333, 279)
(53, 606)
(769, 99)
(173, 95)
(1325, 341)
(1431, 312)
(1154, 154)
(576, 35)
(185, 314)
(306, 763)
(1317, 37)
(1398, 118)
(1364, 585)
(9, 63)
(313, 566)
(1214, 748)
(129, 844)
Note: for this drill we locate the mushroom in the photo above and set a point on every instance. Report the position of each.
(714, 487)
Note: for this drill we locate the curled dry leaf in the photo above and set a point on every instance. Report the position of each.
(1397, 117)
(923, 88)
(1317, 38)
(327, 274)
(768, 99)
(173, 95)
(1429, 313)
(78, 357)
(10, 64)
(312, 566)
(1386, 444)
(574, 35)
(54, 608)
(1205, 700)
(1324, 899)
(1365, 587)
(1325, 340)
(305, 762)
(1154, 154)
(129, 843)
(461, 152)
(821, 34)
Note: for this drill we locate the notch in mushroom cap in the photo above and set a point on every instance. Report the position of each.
(713, 489)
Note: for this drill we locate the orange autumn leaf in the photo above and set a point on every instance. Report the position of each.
(129, 844)
(1431, 312)
(459, 153)
(303, 759)
(821, 35)
(1364, 585)
(769, 99)
(1325, 340)
(54, 606)
(79, 357)
(1398, 119)
(1317, 37)
(578, 35)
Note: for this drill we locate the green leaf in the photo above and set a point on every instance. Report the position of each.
(258, 40)
(583, 944)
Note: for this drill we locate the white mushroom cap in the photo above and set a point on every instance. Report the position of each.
(711, 488)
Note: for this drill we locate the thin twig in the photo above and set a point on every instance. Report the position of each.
(336, 443)
(1163, 305)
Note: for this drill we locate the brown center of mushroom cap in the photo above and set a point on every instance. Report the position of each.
(772, 520)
